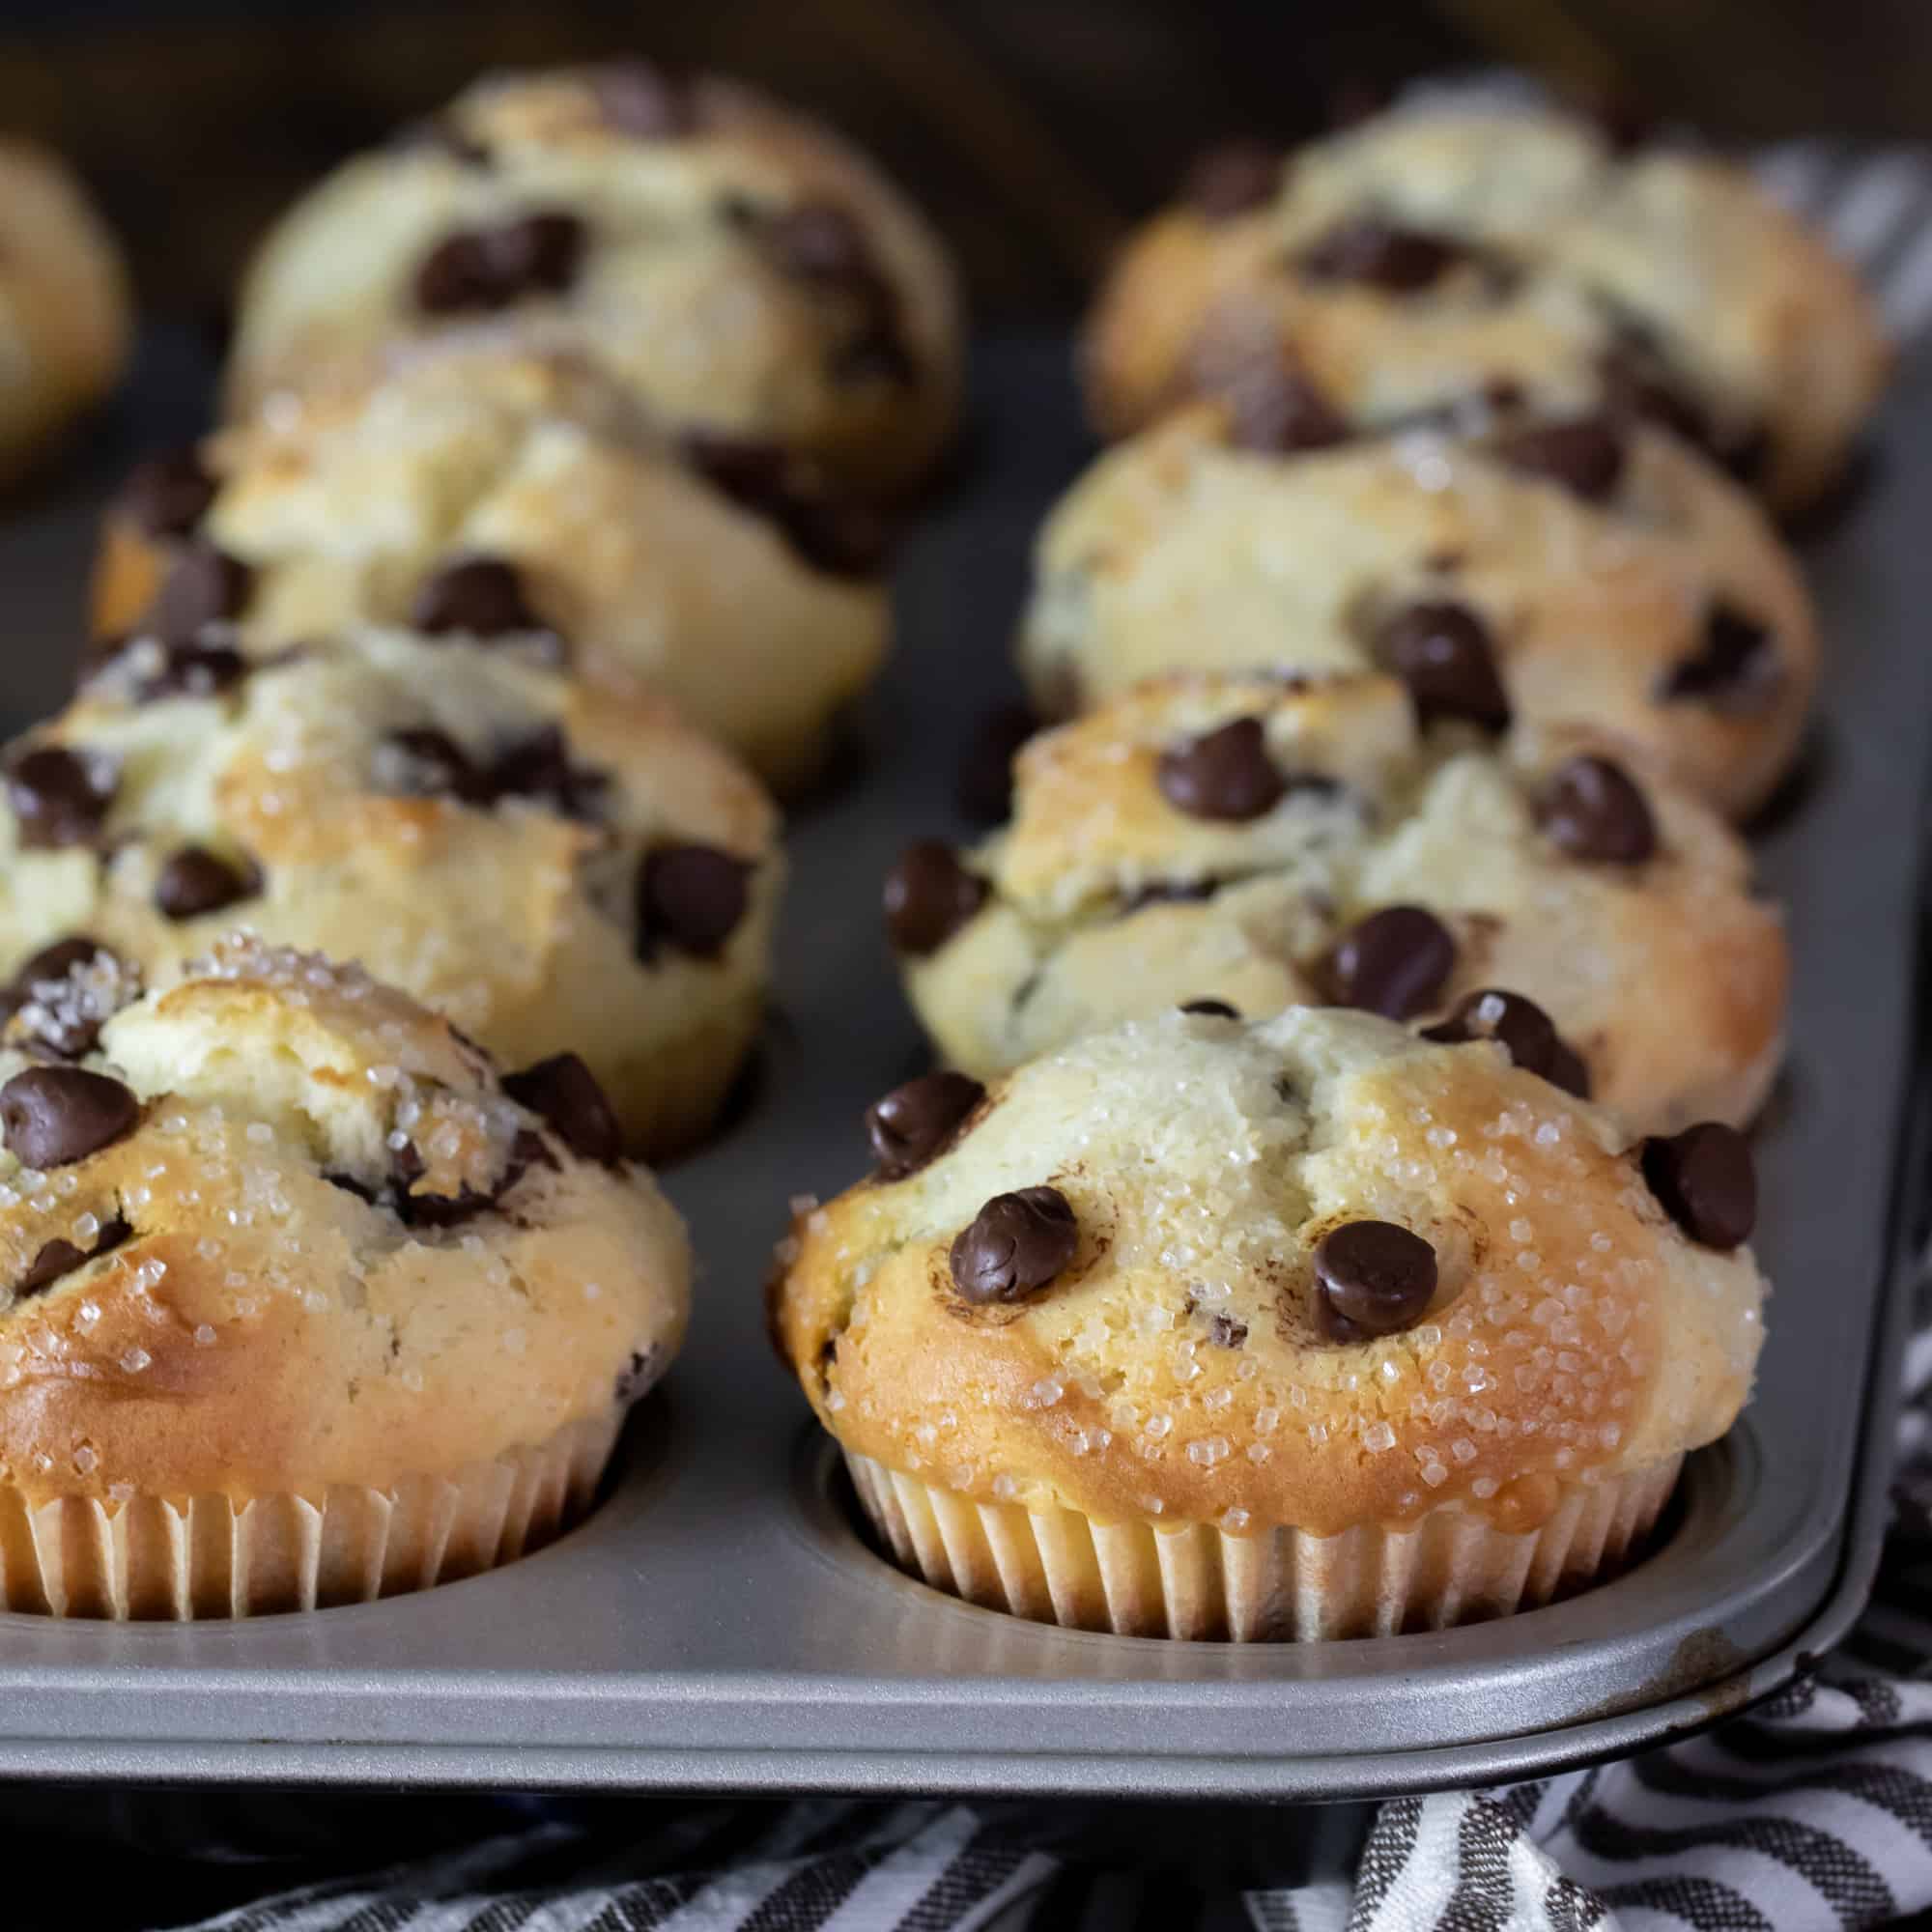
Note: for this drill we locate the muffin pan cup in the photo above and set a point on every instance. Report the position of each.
(721, 1623)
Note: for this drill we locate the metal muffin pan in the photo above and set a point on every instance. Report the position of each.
(720, 1623)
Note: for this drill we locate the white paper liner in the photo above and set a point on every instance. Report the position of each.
(168, 1557)
(1267, 1586)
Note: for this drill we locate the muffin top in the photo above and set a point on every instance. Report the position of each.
(1432, 252)
(1262, 842)
(554, 868)
(1598, 573)
(791, 291)
(283, 1229)
(485, 490)
(1308, 1270)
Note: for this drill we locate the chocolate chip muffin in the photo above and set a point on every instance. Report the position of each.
(1304, 1327)
(65, 311)
(1526, 582)
(1430, 259)
(304, 1302)
(738, 267)
(500, 496)
(553, 869)
(1251, 845)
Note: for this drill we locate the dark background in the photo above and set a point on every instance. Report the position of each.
(1032, 129)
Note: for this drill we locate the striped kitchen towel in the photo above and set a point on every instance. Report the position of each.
(1813, 1811)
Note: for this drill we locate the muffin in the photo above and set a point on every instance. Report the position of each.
(1296, 1328)
(1259, 844)
(482, 491)
(67, 318)
(305, 1304)
(738, 267)
(1431, 256)
(1527, 581)
(552, 869)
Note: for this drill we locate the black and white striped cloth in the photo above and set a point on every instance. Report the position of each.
(1813, 1811)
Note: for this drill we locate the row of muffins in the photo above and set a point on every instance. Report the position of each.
(1333, 1217)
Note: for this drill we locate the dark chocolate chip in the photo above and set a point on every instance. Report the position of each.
(67, 1025)
(167, 496)
(1584, 455)
(1274, 410)
(1213, 1010)
(488, 269)
(1638, 382)
(189, 670)
(1591, 808)
(820, 241)
(639, 98)
(58, 1258)
(539, 766)
(1521, 1029)
(1015, 1245)
(1234, 178)
(913, 1122)
(1705, 1181)
(842, 536)
(1445, 655)
(479, 596)
(1374, 1277)
(195, 882)
(448, 1211)
(691, 898)
(59, 797)
(565, 1094)
(423, 762)
(1403, 261)
(205, 586)
(1736, 668)
(1394, 962)
(50, 1116)
(984, 788)
(1225, 1331)
(930, 896)
(1225, 774)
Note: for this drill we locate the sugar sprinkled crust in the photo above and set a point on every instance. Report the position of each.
(484, 838)
(1176, 550)
(345, 506)
(844, 346)
(282, 1307)
(1665, 280)
(1176, 1370)
(1106, 900)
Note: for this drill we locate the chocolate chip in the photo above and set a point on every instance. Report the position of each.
(1225, 774)
(1213, 1010)
(1226, 1332)
(1234, 178)
(1705, 1181)
(539, 766)
(1584, 455)
(1591, 809)
(195, 882)
(50, 1116)
(840, 536)
(984, 788)
(565, 1094)
(1384, 255)
(1521, 1029)
(1735, 670)
(1015, 1245)
(59, 797)
(1636, 382)
(189, 670)
(638, 99)
(58, 1258)
(205, 586)
(479, 596)
(930, 896)
(1276, 411)
(1169, 891)
(1445, 655)
(913, 1122)
(423, 762)
(66, 1020)
(691, 898)
(488, 269)
(1374, 1278)
(167, 496)
(448, 1211)
(820, 241)
(1394, 962)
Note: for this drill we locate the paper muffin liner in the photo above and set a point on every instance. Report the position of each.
(155, 1557)
(1277, 1584)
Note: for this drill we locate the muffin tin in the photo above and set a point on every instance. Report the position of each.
(720, 1622)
